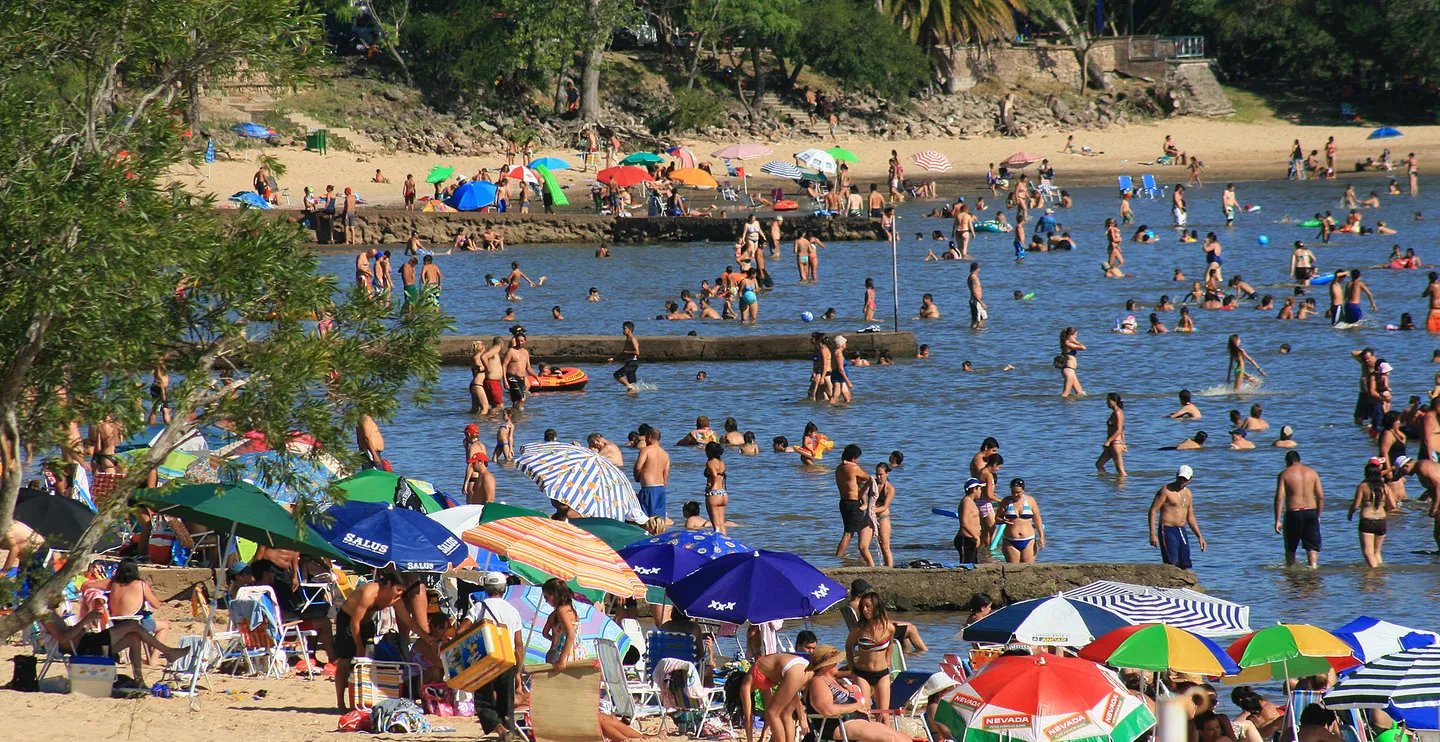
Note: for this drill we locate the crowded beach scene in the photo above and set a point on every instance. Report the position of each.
(818, 370)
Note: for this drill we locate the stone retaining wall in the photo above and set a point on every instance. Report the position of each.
(951, 589)
(455, 349)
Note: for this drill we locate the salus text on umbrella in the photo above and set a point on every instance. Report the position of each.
(449, 546)
(365, 544)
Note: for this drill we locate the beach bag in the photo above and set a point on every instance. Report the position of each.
(398, 716)
(480, 655)
(354, 721)
(436, 699)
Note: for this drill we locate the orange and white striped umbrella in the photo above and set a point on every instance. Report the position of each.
(559, 549)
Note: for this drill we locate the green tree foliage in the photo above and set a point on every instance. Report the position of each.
(851, 41)
(108, 271)
(691, 110)
(940, 26)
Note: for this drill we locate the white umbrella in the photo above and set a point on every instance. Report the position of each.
(1057, 620)
(931, 160)
(525, 174)
(817, 159)
(459, 519)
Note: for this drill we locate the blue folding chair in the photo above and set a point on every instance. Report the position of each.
(1148, 188)
(1126, 185)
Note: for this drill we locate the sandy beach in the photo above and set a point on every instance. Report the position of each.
(1229, 151)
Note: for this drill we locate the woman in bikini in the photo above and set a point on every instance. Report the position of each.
(779, 677)
(1069, 362)
(1238, 359)
(882, 494)
(842, 704)
(1024, 530)
(1374, 502)
(869, 300)
(561, 625)
(505, 437)
(814, 253)
(716, 498)
(802, 257)
(867, 650)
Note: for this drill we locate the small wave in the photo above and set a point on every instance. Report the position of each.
(1248, 389)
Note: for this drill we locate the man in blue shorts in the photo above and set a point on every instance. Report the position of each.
(652, 471)
(1175, 507)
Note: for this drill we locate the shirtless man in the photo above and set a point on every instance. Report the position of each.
(652, 471)
(1432, 294)
(104, 437)
(512, 281)
(1255, 423)
(609, 451)
(1229, 205)
(479, 484)
(516, 368)
(1299, 500)
(625, 375)
(928, 310)
(348, 214)
(1193, 443)
(1113, 449)
(1337, 297)
(408, 287)
(1351, 311)
(408, 191)
(968, 536)
(775, 236)
(364, 276)
(18, 540)
(370, 442)
(1427, 473)
(431, 279)
(963, 229)
(1177, 205)
(1188, 410)
(355, 628)
(851, 480)
(978, 310)
(1175, 507)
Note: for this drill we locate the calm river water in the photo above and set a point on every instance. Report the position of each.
(937, 415)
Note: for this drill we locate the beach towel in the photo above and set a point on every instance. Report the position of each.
(661, 674)
(398, 716)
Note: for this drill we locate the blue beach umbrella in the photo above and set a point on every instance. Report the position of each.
(253, 131)
(1056, 621)
(664, 559)
(1372, 638)
(1385, 132)
(755, 587)
(251, 199)
(379, 534)
(477, 194)
(553, 163)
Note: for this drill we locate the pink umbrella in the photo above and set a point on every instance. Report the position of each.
(685, 157)
(931, 160)
(522, 173)
(1021, 159)
(742, 152)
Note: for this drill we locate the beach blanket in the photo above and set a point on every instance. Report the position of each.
(661, 674)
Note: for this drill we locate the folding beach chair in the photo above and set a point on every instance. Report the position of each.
(680, 701)
(373, 681)
(1126, 185)
(273, 635)
(728, 192)
(1048, 192)
(907, 706)
(1148, 188)
(631, 704)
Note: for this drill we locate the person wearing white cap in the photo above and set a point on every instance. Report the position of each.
(967, 537)
(1174, 509)
(1286, 439)
(1427, 473)
(495, 701)
(1299, 500)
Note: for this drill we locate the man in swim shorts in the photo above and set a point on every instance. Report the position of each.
(652, 471)
(626, 373)
(517, 368)
(1432, 293)
(1174, 509)
(851, 480)
(1351, 311)
(967, 537)
(1177, 205)
(1299, 499)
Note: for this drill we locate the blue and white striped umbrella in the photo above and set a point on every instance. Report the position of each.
(1408, 680)
(1054, 621)
(781, 170)
(1192, 611)
(1372, 638)
(581, 478)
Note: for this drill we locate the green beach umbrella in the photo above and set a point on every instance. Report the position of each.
(617, 534)
(377, 485)
(439, 174)
(642, 158)
(241, 509)
(840, 153)
(1289, 651)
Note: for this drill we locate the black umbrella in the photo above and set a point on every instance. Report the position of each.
(60, 520)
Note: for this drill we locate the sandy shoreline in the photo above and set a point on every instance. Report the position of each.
(1230, 152)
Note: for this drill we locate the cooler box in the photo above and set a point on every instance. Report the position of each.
(92, 676)
(478, 656)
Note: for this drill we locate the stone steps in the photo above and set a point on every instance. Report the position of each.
(358, 141)
(1203, 96)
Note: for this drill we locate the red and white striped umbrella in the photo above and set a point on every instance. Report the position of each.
(522, 173)
(931, 160)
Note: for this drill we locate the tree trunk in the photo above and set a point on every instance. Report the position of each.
(759, 87)
(591, 56)
(560, 89)
(696, 48)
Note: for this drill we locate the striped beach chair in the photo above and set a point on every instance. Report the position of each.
(373, 681)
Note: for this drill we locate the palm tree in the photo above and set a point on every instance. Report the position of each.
(939, 26)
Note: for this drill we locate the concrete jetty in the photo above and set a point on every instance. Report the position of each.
(950, 589)
(455, 349)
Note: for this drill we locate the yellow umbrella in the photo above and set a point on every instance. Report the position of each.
(558, 549)
(694, 176)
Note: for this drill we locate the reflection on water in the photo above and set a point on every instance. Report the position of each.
(937, 415)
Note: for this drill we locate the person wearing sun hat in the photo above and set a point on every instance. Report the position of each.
(936, 688)
(842, 704)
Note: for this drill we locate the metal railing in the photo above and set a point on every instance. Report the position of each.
(1166, 47)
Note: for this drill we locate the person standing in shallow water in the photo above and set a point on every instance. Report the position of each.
(1299, 500)
(1172, 510)
(1113, 449)
(851, 480)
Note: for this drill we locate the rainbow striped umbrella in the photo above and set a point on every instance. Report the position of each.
(1289, 651)
(559, 549)
(931, 160)
(1155, 646)
(582, 479)
(591, 624)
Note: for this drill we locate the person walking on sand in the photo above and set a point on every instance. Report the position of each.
(1299, 500)
(1238, 359)
(1172, 510)
(1113, 449)
(851, 480)
(408, 192)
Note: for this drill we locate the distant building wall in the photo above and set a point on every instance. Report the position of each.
(1012, 65)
